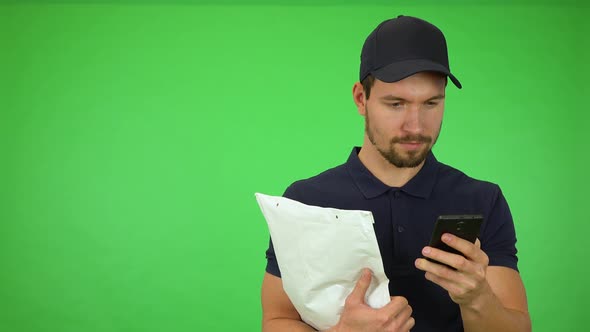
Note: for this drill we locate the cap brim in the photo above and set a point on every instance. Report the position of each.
(402, 69)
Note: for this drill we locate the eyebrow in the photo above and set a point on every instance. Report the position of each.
(396, 98)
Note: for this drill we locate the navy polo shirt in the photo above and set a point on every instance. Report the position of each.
(404, 220)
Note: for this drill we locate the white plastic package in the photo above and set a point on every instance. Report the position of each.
(321, 252)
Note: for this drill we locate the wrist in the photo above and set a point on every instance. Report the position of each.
(479, 303)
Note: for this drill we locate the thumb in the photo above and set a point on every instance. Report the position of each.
(360, 289)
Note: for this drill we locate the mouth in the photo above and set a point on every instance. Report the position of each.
(412, 145)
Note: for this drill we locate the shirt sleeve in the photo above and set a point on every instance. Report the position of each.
(272, 265)
(498, 239)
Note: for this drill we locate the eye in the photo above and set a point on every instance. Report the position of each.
(431, 103)
(396, 104)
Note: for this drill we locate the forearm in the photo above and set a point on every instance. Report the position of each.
(285, 324)
(491, 316)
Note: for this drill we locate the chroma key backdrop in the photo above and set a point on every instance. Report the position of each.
(134, 133)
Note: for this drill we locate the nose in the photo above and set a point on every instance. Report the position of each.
(412, 123)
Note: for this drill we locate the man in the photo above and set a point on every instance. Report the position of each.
(401, 95)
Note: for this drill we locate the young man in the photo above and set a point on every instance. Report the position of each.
(401, 95)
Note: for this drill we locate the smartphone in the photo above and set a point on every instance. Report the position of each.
(465, 226)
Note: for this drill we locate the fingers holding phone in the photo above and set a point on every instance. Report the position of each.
(454, 259)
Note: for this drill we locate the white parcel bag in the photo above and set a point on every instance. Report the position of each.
(320, 253)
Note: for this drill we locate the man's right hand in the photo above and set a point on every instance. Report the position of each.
(358, 316)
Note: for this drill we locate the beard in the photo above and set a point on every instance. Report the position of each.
(400, 159)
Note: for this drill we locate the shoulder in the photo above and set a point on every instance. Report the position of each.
(328, 184)
(457, 191)
(454, 180)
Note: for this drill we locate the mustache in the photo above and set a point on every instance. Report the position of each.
(412, 138)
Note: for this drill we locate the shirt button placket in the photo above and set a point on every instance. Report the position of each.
(394, 196)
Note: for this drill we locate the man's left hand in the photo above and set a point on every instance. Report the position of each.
(468, 282)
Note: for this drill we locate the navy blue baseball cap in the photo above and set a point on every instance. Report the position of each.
(403, 46)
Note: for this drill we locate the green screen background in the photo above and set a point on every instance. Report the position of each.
(134, 134)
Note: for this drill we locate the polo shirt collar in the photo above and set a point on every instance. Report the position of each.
(420, 185)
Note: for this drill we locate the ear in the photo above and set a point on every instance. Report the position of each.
(358, 96)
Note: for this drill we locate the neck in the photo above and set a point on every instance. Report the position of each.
(383, 170)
